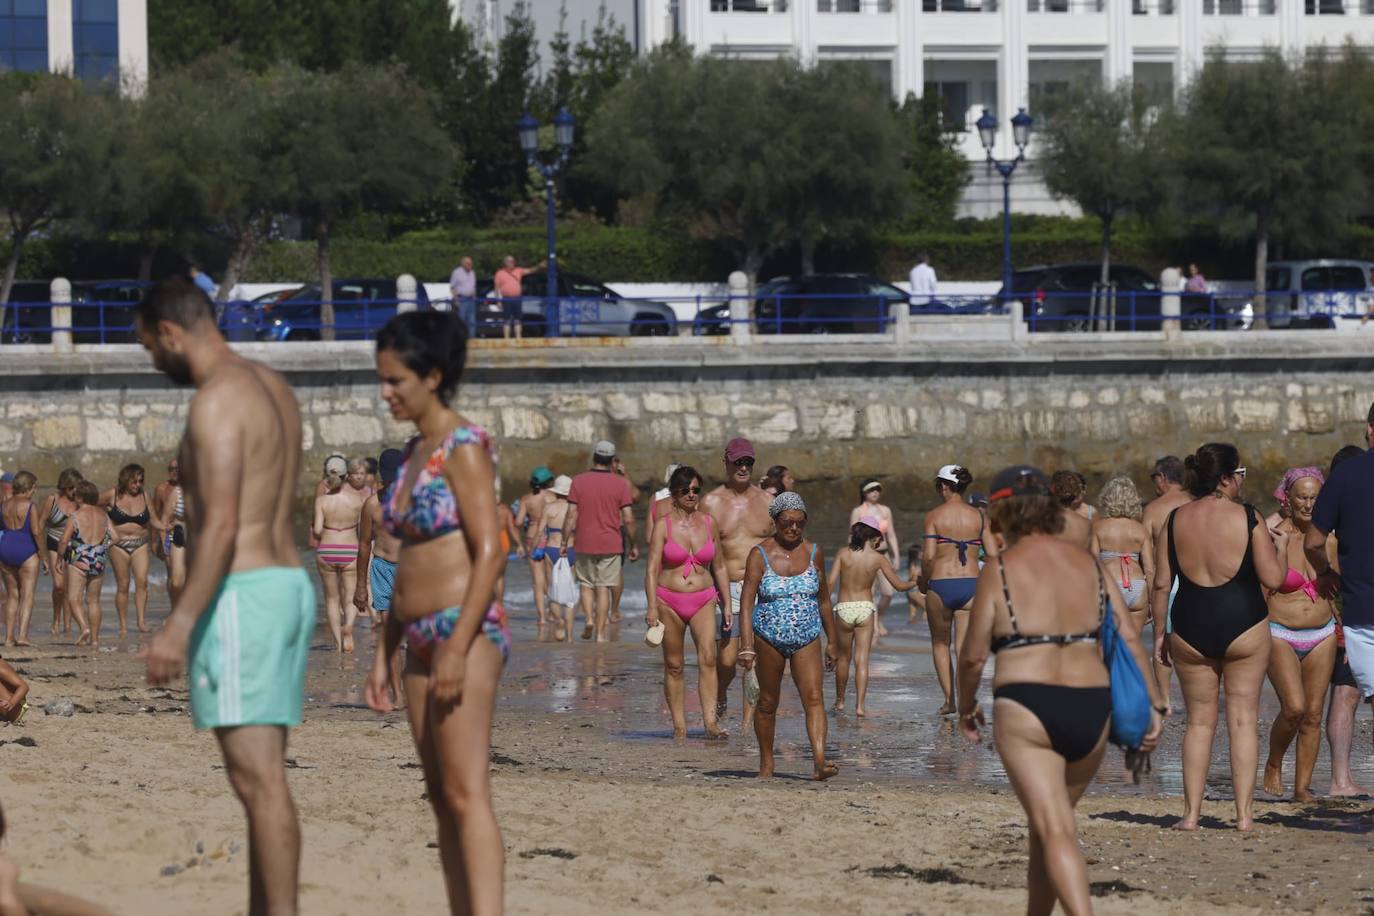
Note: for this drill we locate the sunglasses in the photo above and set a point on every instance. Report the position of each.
(743, 462)
(694, 491)
(1240, 472)
(792, 523)
(874, 490)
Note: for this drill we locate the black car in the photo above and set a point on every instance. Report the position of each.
(28, 315)
(848, 303)
(361, 307)
(1071, 297)
(103, 311)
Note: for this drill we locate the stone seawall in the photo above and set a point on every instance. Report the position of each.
(832, 410)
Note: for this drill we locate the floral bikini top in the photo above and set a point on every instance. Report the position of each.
(432, 512)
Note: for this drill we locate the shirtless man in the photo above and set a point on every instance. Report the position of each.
(1167, 477)
(378, 551)
(241, 625)
(740, 512)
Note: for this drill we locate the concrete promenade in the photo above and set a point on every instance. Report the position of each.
(830, 407)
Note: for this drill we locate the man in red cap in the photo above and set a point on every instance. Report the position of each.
(740, 512)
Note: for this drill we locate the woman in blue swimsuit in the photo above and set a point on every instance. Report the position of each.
(443, 509)
(949, 570)
(785, 602)
(22, 555)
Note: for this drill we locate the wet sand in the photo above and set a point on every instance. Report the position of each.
(603, 812)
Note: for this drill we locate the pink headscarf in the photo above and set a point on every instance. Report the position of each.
(1292, 476)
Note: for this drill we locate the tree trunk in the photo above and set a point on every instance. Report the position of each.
(808, 254)
(753, 263)
(1106, 249)
(326, 280)
(145, 262)
(1261, 266)
(11, 268)
(238, 261)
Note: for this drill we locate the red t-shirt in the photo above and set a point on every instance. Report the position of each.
(599, 496)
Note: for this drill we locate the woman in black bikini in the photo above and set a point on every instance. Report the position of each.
(57, 510)
(1039, 606)
(127, 505)
(1221, 553)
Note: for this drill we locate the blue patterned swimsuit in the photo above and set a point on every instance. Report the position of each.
(788, 614)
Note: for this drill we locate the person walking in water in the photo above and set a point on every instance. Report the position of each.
(740, 511)
(853, 575)
(871, 505)
(23, 555)
(54, 517)
(131, 515)
(683, 581)
(443, 508)
(599, 504)
(786, 603)
(1040, 608)
(241, 625)
(949, 570)
(337, 514)
(530, 506)
(84, 549)
(378, 552)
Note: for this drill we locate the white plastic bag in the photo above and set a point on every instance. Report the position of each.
(562, 589)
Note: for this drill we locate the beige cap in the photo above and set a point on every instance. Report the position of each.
(561, 486)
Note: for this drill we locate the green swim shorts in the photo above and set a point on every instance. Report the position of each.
(246, 659)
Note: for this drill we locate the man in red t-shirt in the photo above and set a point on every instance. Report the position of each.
(599, 505)
(510, 289)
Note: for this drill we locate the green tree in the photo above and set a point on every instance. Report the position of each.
(1259, 155)
(1096, 145)
(600, 62)
(755, 155)
(52, 159)
(937, 172)
(363, 137)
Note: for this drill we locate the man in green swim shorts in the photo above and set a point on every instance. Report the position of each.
(241, 625)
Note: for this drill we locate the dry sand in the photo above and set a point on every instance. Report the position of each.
(107, 799)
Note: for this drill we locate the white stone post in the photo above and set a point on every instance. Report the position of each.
(741, 319)
(1170, 303)
(60, 295)
(899, 315)
(406, 293)
(1016, 311)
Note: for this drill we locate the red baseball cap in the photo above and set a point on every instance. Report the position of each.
(738, 448)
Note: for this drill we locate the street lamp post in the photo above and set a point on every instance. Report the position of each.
(564, 126)
(1020, 134)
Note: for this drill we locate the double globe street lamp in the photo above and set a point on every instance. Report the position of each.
(1020, 134)
(564, 126)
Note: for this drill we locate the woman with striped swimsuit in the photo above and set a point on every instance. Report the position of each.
(337, 514)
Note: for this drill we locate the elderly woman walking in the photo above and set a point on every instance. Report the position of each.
(785, 603)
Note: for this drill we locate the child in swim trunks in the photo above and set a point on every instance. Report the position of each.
(855, 571)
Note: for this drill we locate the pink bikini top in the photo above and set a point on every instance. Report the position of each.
(674, 554)
(1294, 581)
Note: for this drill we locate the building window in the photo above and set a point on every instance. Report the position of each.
(963, 6)
(1155, 78)
(853, 6)
(1152, 7)
(1064, 6)
(1238, 7)
(748, 6)
(95, 39)
(24, 35)
(964, 88)
(1325, 7)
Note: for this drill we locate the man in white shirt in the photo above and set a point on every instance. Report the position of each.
(462, 283)
(923, 281)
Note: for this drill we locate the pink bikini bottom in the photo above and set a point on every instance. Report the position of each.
(686, 604)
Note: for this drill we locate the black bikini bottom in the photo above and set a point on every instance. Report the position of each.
(1073, 717)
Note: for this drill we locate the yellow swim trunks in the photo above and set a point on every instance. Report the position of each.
(854, 613)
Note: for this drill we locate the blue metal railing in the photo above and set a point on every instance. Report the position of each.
(97, 321)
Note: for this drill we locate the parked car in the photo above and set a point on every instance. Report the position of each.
(1316, 293)
(361, 307)
(830, 303)
(584, 306)
(28, 315)
(1071, 298)
(103, 311)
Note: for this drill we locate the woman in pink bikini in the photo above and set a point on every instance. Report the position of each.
(337, 514)
(685, 578)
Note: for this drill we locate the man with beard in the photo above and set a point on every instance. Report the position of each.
(740, 512)
(242, 623)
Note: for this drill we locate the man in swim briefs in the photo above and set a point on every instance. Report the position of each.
(241, 625)
(1167, 478)
(740, 512)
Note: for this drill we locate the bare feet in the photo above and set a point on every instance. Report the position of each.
(1346, 790)
(83, 637)
(1303, 794)
(143, 628)
(1245, 825)
(123, 632)
(348, 640)
(587, 632)
(838, 707)
(679, 733)
(1188, 823)
(616, 617)
(11, 642)
(825, 771)
(23, 642)
(946, 710)
(1273, 778)
(860, 712)
(715, 733)
(766, 770)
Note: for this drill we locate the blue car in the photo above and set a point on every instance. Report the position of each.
(361, 307)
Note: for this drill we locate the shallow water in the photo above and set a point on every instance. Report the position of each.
(618, 688)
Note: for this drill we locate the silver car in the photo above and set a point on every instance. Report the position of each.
(583, 307)
(1316, 293)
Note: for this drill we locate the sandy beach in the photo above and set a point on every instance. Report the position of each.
(602, 812)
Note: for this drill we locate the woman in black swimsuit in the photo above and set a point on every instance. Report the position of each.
(1221, 553)
(127, 505)
(1039, 606)
(57, 510)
